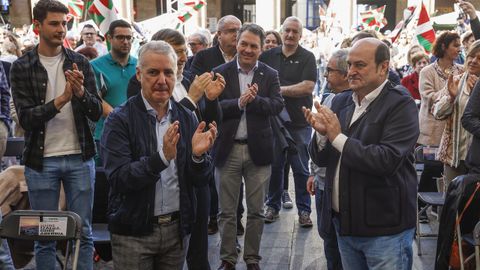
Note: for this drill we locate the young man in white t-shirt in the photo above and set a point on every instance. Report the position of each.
(56, 100)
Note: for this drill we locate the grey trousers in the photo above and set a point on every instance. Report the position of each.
(228, 180)
(160, 250)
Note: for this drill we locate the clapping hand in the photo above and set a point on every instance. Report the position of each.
(331, 122)
(203, 141)
(471, 80)
(215, 87)
(324, 121)
(452, 85)
(170, 140)
(314, 119)
(197, 88)
(249, 95)
(75, 77)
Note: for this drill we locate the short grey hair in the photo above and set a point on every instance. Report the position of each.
(201, 36)
(158, 47)
(225, 19)
(340, 56)
(294, 19)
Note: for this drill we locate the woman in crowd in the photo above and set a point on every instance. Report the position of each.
(433, 78)
(419, 61)
(450, 106)
(272, 40)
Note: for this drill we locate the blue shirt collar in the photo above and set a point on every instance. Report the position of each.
(109, 57)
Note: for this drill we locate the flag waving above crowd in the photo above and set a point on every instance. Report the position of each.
(103, 13)
(425, 33)
(75, 8)
(374, 18)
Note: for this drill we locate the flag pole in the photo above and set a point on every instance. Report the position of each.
(85, 9)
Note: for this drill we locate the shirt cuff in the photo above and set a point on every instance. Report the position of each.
(165, 161)
(339, 142)
(321, 141)
(241, 109)
(191, 101)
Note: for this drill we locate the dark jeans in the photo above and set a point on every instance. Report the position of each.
(197, 256)
(299, 165)
(330, 245)
(78, 178)
(377, 252)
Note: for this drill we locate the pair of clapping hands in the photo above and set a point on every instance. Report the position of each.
(201, 141)
(324, 121)
(454, 81)
(73, 86)
(249, 95)
(206, 83)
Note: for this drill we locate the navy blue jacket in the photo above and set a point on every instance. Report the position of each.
(268, 102)
(206, 60)
(471, 123)
(133, 165)
(378, 181)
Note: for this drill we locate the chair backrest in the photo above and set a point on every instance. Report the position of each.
(14, 147)
(41, 225)
(419, 154)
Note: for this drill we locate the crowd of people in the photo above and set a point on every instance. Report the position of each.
(188, 128)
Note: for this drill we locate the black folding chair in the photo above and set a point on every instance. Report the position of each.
(472, 239)
(14, 147)
(44, 226)
(430, 199)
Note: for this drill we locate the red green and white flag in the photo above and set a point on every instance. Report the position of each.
(185, 17)
(408, 14)
(195, 5)
(103, 13)
(374, 18)
(424, 31)
(75, 8)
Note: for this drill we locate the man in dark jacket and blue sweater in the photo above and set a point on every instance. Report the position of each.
(366, 143)
(154, 153)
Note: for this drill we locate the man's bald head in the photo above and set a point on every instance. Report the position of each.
(382, 52)
(368, 62)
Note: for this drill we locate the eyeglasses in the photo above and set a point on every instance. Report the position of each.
(122, 37)
(328, 70)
